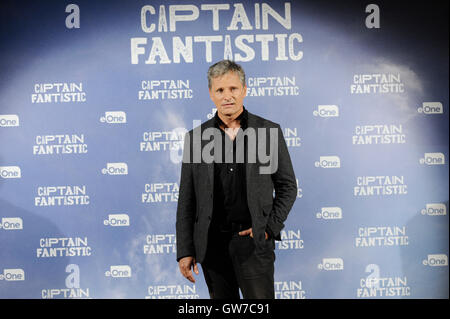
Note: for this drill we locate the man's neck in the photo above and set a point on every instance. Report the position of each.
(230, 121)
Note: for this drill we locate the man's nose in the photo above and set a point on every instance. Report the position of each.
(227, 95)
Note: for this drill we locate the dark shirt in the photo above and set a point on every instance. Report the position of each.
(230, 189)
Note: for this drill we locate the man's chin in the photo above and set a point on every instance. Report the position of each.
(229, 110)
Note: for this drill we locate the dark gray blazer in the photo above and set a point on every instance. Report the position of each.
(195, 201)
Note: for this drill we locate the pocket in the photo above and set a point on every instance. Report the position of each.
(250, 261)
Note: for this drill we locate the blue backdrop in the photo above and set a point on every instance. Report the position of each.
(95, 97)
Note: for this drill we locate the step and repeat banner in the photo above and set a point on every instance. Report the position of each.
(95, 98)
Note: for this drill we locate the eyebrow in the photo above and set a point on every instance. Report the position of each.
(231, 87)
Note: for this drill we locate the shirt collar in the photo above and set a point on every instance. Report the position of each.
(242, 118)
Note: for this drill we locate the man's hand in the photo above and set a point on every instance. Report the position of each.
(185, 264)
(250, 232)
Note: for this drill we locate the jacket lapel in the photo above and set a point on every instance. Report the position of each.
(251, 123)
(209, 166)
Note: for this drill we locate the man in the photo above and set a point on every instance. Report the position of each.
(228, 217)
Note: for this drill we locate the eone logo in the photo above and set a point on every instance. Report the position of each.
(330, 213)
(115, 169)
(433, 159)
(331, 264)
(434, 209)
(328, 162)
(10, 172)
(115, 117)
(13, 275)
(9, 120)
(11, 223)
(431, 108)
(116, 220)
(119, 271)
(436, 260)
(326, 111)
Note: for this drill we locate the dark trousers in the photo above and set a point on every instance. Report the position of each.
(232, 262)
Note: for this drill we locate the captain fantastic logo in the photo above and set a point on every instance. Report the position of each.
(379, 134)
(380, 186)
(376, 286)
(63, 247)
(266, 46)
(60, 144)
(272, 86)
(162, 140)
(160, 244)
(165, 89)
(160, 192)
(378, 236)
(58, 93)
(379, 83)
(61, 195)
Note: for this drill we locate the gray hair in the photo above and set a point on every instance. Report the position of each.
(222, 67)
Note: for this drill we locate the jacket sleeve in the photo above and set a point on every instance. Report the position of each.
(285, 189)
(186, 206)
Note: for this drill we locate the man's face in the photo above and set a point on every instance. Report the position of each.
(227, 93)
